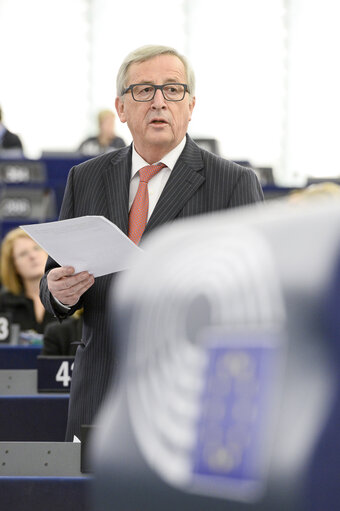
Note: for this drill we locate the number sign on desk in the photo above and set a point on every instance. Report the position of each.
(54, 373)
(11, 207)
(5, 327)
(22, 172)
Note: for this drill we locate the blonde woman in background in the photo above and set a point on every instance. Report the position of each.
(22, 264)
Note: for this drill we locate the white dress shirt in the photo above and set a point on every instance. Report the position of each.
(157, 182)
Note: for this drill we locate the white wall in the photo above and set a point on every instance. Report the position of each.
(44, 83)
(313, 130)
(237, 50)
(267, 73)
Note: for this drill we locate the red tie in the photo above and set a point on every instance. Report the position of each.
(139, 210)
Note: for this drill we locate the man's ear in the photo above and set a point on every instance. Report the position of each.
(119, 103)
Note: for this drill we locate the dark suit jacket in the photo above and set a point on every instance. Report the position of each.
(21, 309)
(200, 182)
(63, 339)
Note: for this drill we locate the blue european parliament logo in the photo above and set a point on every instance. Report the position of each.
(237, 414)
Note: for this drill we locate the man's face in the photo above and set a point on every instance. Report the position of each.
(157, 126)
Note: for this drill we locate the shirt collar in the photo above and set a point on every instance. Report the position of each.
(169, 159)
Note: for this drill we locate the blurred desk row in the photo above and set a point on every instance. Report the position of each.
(32, 190)
(38, 470)
(43, 475)
(34, 394)
(45, 493)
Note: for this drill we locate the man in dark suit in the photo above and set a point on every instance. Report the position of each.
(8, 140)
(155, 97)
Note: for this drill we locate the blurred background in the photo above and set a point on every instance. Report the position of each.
(267, 71)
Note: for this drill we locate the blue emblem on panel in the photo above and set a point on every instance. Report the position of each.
(237, 415)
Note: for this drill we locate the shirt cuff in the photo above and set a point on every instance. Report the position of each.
(63, 307)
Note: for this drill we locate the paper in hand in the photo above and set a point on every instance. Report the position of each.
(88, 243)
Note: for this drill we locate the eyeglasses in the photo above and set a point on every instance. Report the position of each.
(147, 91)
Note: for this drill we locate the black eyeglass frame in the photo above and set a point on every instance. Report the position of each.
(155, 87)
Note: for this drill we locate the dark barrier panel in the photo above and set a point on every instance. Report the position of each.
(33, 418)
(44, 493)
(19, 357)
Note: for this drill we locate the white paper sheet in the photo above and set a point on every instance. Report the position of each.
(90, 243)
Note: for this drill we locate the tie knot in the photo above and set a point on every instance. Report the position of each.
(147, 172)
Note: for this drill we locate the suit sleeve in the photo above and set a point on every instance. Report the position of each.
(67, 209)
(247, 189)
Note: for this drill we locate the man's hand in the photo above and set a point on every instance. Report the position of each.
(67, 286)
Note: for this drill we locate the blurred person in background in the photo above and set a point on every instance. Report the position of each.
(325, 190)
(106, 140)
(22, 266)
(62, 339)
(8, 140)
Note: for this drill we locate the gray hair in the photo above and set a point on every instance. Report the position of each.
(146, 53)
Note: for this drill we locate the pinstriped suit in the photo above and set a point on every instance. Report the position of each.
(200, 182)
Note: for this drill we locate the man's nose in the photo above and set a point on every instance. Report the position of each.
(158, 100)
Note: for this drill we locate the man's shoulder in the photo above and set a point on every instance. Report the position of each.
(102, 161)
(222, 174)
(215, 162)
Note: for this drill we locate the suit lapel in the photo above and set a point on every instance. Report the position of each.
(184, 180)
(117, 181)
